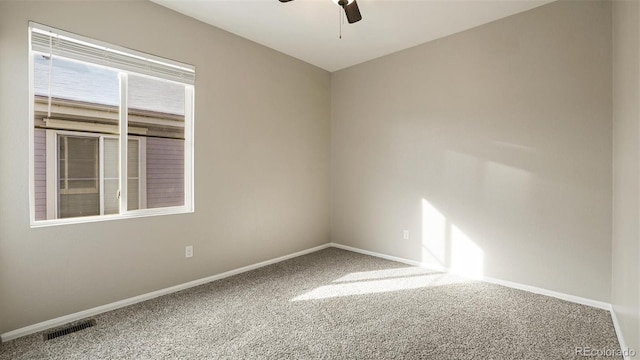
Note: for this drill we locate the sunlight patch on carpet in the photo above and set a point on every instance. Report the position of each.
(379, 286)
(384, 274)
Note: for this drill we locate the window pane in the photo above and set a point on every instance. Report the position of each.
(134, 194)
(78, 189)
(155, 95)
(79, 205)
(75, 81)
(81, 162)
(156, 114)
(111, 179)
(133, 161)
(111, 163)
(111, 200)
(84, 108)
(133, 164)
(78, 166)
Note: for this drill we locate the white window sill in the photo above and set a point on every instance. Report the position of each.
(100, 218)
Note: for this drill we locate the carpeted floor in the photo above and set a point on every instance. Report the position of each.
(335, 304)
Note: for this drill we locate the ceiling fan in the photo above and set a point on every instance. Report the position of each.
(350, 9)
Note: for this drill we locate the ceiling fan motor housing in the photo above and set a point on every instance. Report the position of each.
(350, 9)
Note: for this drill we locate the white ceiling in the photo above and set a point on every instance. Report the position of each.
(309, 29)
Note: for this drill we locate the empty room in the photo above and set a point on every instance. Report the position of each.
(320, 179)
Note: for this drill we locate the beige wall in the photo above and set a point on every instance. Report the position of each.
(625, 291)
(492, 147)
(261, 166)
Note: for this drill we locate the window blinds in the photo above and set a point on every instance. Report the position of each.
(59, 43)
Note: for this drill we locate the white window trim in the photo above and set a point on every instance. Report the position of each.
(124, 144)
(101, 176)
(189, 153)
(189, 183)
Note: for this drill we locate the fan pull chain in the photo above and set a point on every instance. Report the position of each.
(341, 20)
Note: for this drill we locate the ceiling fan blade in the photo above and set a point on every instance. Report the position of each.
(285, 0)
(352, 12)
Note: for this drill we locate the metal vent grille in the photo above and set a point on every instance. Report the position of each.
(69, 329)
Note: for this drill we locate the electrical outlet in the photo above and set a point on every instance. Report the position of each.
(188, 251)
(405, 234)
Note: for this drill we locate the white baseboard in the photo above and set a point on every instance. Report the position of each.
(616, 326)
(533, 289)
(379, 255)
(31, 329)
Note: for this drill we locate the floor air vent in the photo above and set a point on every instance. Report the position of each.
(69, 329)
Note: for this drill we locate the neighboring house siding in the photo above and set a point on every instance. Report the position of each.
(165, 172)
(40, 173)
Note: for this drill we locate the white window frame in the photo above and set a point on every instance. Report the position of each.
(136, 66)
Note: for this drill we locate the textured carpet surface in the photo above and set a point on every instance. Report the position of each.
(335, 304)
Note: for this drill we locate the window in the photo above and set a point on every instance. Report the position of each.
(112, 131)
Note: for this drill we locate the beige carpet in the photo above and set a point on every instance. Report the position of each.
(335, 304)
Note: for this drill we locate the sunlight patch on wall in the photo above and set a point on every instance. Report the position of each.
(434, 233)
(379, 286)
(445, 245)
(466, 257)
